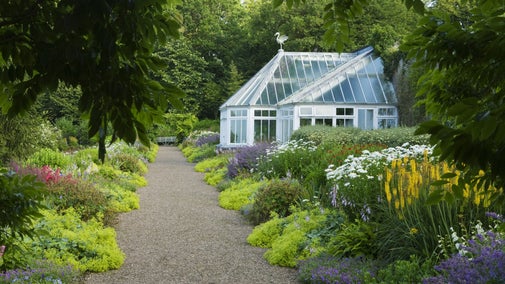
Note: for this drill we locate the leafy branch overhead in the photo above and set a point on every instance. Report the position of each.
(338, 14)
(105, 47)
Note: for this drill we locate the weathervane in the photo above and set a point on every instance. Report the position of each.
(280, 38)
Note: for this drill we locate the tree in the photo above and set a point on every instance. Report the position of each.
(460, 46)
(464, 87)
(105, 47)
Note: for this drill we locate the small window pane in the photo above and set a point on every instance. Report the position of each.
(305, 122)
(345, 122)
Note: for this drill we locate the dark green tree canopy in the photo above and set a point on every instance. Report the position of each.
(103, 46)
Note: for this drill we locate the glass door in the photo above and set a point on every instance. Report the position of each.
(365, 118)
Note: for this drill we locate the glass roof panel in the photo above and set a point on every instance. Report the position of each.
(347, 90)
(292, 77)
(337, 93)
(328, 96)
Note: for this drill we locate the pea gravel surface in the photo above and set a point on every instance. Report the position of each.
(181, 235)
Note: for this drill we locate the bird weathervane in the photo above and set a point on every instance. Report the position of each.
(280, 38)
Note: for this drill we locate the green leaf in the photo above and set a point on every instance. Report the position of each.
(439, 183)
(448, 175)
(435, 196)
(487, 129)
(458, 192)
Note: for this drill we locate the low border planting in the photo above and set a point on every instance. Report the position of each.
(387, 223)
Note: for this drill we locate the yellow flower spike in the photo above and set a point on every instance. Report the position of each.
(466, 191)
(413, 166)
(397, 204)
(487, 201)
(476, 199)
(402, 200)
(388, 192)
(389, 175)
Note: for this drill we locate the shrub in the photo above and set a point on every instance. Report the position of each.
(21, 199)
(275, 196)
(413, 270)
(207, 125)
(49, 157)
(391, 137)
(320, 134)
(21, 136)
(84, 157)
(149, 152)
(246, 159)
(128, 163)
(82, 195)
(64, 191)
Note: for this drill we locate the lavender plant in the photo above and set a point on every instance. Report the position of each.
(327, 269)
(246, 159)
(209, 138)
(483, 261)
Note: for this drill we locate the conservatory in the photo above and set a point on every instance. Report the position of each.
(296, 89)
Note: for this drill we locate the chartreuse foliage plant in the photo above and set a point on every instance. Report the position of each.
(213, 163)
(292, 238)
(67, 240)
(239, 193)
(49, 157)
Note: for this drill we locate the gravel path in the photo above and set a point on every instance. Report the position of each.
(181, 235)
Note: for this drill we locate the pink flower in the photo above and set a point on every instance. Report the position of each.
(2, 250)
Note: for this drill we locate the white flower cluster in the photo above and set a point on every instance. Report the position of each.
(354, 167)
(292, 146)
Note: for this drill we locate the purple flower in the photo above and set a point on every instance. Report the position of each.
(246, 158)
(207, 139)
(484, 262)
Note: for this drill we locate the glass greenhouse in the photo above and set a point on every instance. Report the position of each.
(296, 89)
